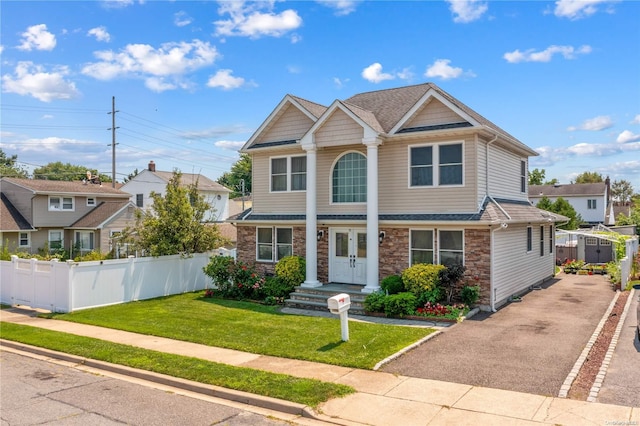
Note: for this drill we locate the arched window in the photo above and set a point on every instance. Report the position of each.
(349, 179)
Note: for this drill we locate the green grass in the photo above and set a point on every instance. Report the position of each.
(304, 391)
(253, 328)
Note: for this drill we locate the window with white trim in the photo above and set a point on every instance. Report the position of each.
(421, 246)
(523, 176)
(272, 244)
(139, 200)
(451, 248)
(56, 240)
(24, 239)
(591, 204)
(58, 203)
(349, 179)
(529, 239)
(436, 165)
(84, 241)
(289, 173)
(541, 240)
(91, 201)
(551, 237)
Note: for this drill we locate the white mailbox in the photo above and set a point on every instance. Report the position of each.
(339, 303)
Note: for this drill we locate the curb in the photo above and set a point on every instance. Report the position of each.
(209, 390)
(405, 350)
(566, 386)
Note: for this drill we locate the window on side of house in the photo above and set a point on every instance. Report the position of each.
(529, 239)
(91, 201)
(84, 241)
(289, 173)
(523, 176)
(56, 240)
(140, 200)
(24, 239)
(451, 248)
(591, 204)
(272, 244)
(421, 246)
(541, 240)
(57, 203)
(349, 179)
(551, 236)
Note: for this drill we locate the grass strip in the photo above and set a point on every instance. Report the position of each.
(254, 328)
(309, 392)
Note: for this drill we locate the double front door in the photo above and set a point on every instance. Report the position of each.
(348, 255)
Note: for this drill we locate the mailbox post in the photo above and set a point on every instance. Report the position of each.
(340, 304)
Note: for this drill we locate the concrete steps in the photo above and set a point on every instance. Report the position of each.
(316, 298)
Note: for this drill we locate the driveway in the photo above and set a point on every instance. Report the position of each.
(529, 346)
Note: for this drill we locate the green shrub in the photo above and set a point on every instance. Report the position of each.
(399, 305)
(421, 277)
(392, 284)
(220, 269)
(292, 270)
(470, 294)
(374, 302)
(432, 296)
(91, 256)
(449, 277)
(234, 280)
(276, 288)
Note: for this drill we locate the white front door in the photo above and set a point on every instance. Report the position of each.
(348, 258)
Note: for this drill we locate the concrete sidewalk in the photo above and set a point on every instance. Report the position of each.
(381, 398)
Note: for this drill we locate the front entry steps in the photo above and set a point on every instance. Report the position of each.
(315, 298)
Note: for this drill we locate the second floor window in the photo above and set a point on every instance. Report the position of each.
(436, 165)
(60, 203)
(349, 179)
(591, 204)
(91, 201)
(140, 200)
(289, 174)
(523, 176)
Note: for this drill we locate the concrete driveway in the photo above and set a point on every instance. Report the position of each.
(529, 346)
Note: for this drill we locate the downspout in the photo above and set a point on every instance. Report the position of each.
(492, 297)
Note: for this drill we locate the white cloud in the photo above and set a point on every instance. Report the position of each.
(601, 122)
(466, 11)
(100, 33)
(627, 136)
(182, 19)
(568, 52)
(341, 7)
(230, 145)
(339, 82)
(576, 9)
(33, 80)
(374, 74)
(37, 37)
(592, 149)
(225, 80)
(441, 69)
(636, 120)
(47, 117)
(163, 67)
(1, 49)
(255, 20)
(406, 74)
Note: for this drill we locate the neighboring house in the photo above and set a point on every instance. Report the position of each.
(592, 201)
(368, 186)
(144, 183)
(62, 215)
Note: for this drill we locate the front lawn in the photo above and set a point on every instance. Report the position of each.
(254, 328)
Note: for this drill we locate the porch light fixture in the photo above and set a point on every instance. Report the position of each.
(381, 236)
(320, 234)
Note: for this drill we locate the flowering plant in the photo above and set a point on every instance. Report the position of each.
(438, 310)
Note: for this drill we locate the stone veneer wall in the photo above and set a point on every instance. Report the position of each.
(477, 259)
(393, 252)
(246, 247)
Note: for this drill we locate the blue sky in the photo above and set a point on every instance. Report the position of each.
(193, 80)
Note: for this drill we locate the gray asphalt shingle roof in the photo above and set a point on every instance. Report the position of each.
(40, 186)
(576, 189)
(10, 217)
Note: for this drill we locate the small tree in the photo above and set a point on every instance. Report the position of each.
(449, 277)
(561, 206)
(588, 177)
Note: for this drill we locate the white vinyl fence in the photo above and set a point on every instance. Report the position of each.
(71, 286)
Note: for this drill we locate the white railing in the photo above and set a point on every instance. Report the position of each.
(71, 286)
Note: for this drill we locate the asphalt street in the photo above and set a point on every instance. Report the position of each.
(39, 392)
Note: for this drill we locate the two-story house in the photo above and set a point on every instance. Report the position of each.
(592, 201)
(62, 215)
(149, 180)
(370, 185)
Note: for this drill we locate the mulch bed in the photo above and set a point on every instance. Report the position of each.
(587, 375)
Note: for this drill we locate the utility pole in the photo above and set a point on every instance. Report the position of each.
(113, 141)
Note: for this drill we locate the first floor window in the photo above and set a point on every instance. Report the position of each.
(451, 245)
(529, 239)
(56, 241)
(550, 239)
(24, 239)
(542, 241)
(421, 246)
(84, 241)
(274, 243)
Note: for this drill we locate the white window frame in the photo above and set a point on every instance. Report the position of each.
(435, 164)
(61, 231)
(61, 203)
(440, 249)
(28, 235)
(412, 249)
(551, 238)
(274, 244)
(91, 201)
(288, 173)
(331, 188)
(592, 204)
(542, 240)
(529, 239)
(523, 176)
(92, 240)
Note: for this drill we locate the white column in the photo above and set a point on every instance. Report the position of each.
(312, 220)
(373, 283)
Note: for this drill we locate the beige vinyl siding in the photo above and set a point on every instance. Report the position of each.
(274, 202)
(397, 197)
(339, 129)
(481, 170)
(326, 160)
(504, 174)
(43, 217)
(291, 125)
(435, 112)
(515, 268)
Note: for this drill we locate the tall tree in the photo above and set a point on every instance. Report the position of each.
(9, 166)
(240, 171)
(131, 175)
(588, 177)
(561, 206)
(536, 177)
(66, 171)
(175, 223)
(621, 191)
